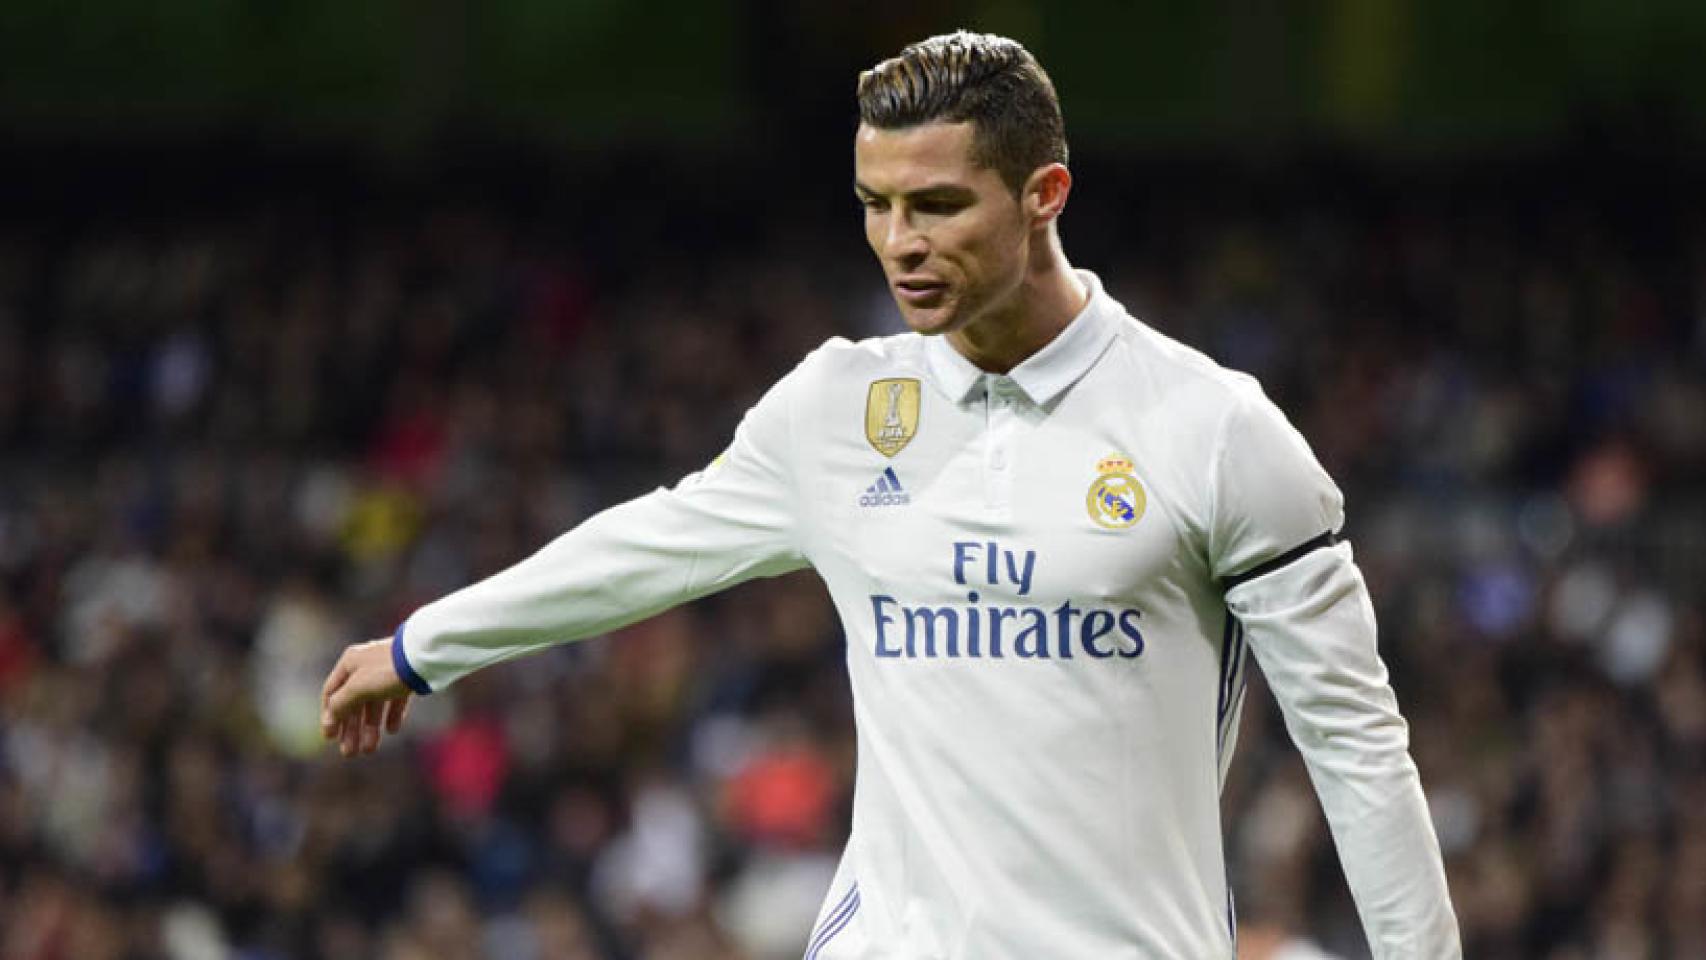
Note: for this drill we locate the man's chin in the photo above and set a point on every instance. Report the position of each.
(929, 321)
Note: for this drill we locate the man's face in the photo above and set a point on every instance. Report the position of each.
(952, 239)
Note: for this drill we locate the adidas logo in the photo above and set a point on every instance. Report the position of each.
(886, 492)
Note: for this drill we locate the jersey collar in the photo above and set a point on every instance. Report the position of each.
(1044, 374)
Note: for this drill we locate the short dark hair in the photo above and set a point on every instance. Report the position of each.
(989, 80)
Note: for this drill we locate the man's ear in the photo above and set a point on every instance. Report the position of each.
(1045, 193)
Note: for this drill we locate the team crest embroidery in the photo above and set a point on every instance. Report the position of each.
(1116, 499)
(891, 414)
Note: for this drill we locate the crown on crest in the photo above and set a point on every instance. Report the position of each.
(1113, 464)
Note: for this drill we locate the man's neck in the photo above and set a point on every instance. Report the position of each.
(1050, 296)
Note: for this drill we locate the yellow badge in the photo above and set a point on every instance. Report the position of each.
(1116, 499)
(891, 414)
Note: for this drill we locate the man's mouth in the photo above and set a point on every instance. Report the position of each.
(920, 293)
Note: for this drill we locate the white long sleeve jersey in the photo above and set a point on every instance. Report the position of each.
(1048, 581)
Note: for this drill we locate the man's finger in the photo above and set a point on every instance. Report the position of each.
(372, 724)
(395, 711)
(334, 680)
(349, 737)
(338, 705)
(351, 695)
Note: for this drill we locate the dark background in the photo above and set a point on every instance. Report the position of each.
(311, 312)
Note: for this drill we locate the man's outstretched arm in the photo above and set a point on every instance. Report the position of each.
(736, 520)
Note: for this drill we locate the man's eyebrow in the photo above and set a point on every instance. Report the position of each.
(937, 190)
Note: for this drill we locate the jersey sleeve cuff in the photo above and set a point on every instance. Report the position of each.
(400, 661)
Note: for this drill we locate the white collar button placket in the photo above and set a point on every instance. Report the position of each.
(998, 438)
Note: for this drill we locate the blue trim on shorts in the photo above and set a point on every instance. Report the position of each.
(837, 921)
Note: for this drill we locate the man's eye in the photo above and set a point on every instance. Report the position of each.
(939, 208)
(873, 204)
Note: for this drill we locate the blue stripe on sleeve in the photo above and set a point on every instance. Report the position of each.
(400, 661)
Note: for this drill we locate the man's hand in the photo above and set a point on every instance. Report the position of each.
(363, 698)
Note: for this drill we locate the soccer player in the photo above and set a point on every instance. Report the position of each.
(1053, 535)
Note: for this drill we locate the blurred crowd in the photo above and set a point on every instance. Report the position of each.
(234, 441)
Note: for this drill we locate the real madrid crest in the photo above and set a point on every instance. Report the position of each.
(891, 414)
(1116, 499)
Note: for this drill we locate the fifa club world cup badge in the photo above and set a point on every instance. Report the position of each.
(1116, 499)
(891, 414)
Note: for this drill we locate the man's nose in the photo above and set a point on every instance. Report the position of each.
(904, 241)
